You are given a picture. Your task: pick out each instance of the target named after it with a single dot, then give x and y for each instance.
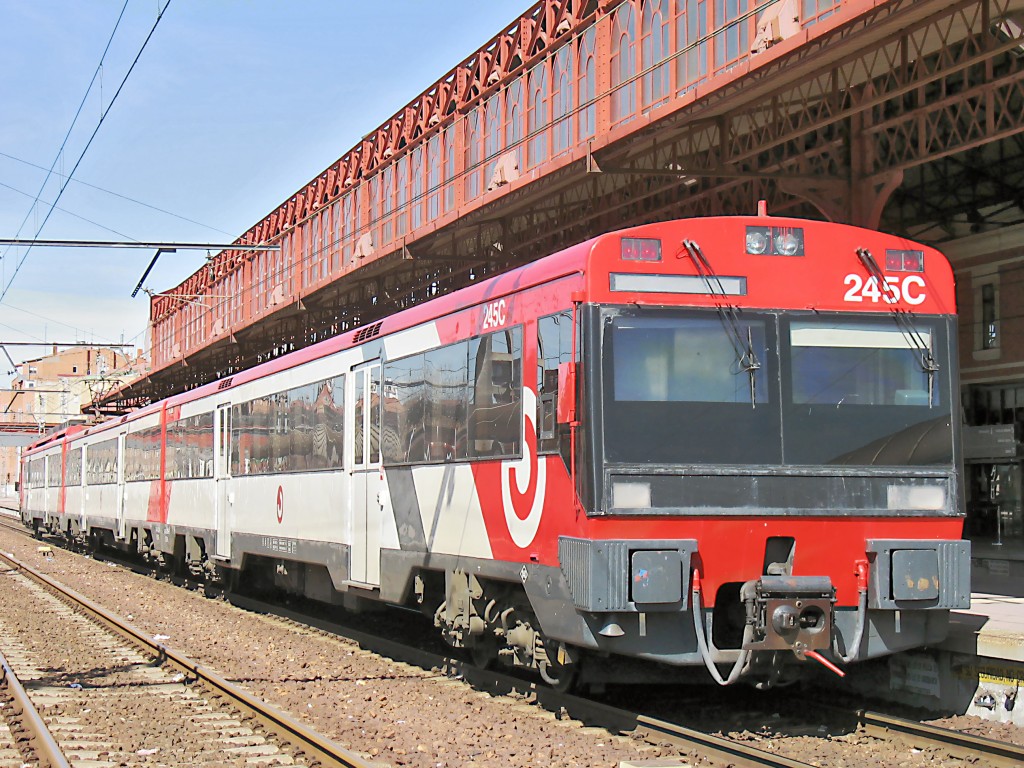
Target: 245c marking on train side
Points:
(495, 315)
(910, 289)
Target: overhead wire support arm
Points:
(160, 248)
(149, 268)
(165, 246)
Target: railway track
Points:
(20, 716)
(933, 740)
(113, 696)
(930, 739)
(986, 752)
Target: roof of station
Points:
(585, 116)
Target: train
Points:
(724, 445)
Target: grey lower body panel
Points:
(663, 635)
(332, 556)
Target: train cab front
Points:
(790, 461)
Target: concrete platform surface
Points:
(993, 627)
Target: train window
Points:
(456, 402)
(496, 406)
(863, 392)
(190, 447)
(35, 473)
(554, 346)
(402, 433)
(53, 470)
(73, 468)
(446, 393)
(857, 364)
(250, 439)
(142, 455)
(101, 462)
(682, 389)
(297, 430)
(693, 360)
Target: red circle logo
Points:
(280, 503)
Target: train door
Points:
(120, 484)
(222, 477)
(366, 475)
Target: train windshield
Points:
(867, 392)
(774, 388)
(690, 388)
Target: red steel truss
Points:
(587, 115)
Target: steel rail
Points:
(957, 743)
(732, 753)
(313, 744)
(879, 725)
(720, 749)
(45, 746)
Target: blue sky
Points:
(232, 107)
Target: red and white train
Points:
(726, 442)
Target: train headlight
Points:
(775, 241)
(757, 240)
(922, 497)
(787, 243)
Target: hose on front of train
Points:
(697, 609)
(853, 650)
(742, 661)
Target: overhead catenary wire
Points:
(74, 121)
(37, 199)
(81, 156)
(53, 320)
(118, 195)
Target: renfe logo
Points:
(523, 482)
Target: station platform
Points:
(993, 627)
(979, 668)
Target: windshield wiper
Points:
(729, 316)
(904, 319)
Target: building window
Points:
(989, 317)
(986, 312)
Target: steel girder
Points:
(830, 128)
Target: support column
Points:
(861, 197)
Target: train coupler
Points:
(788, 613)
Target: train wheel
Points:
(484, 651)
(561, 678)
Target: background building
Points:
(989, 269)
(50, 391)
